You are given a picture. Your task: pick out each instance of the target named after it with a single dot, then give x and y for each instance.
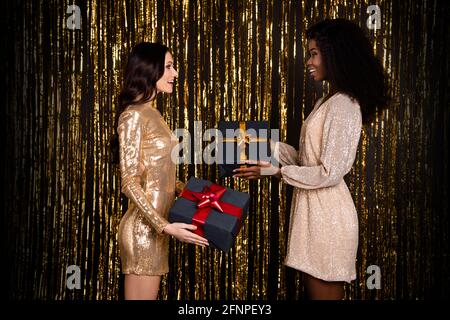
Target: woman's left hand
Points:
(258, 170)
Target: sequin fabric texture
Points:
(148, 180)
(323, 232)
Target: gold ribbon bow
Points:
(243, 139)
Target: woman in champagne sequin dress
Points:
(323, 226)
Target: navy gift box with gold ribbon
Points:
(218, 212)
(242, 140)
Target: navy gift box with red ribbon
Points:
(218, 212)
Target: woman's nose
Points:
(175, 72)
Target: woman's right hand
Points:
(258, 170)
(182, 232)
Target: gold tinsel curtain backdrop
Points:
(237, 60)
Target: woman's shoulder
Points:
(135, 108)
(142, 112)
(129, 114)
(343, 103)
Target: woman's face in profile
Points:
(166, 82)
(314, 64)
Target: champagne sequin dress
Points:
(323, 232)
(148, 180)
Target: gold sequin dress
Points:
(323, 232)
(148, 180)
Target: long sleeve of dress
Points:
(340, 138)
(130, 136)
(285, 154)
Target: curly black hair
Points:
(350, 64)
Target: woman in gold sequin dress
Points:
(323, 228)
(148, 172)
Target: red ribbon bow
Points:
(210, 197)
(207, 200)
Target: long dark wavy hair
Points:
(144, 68)
(350, 64)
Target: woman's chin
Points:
(316, 78)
